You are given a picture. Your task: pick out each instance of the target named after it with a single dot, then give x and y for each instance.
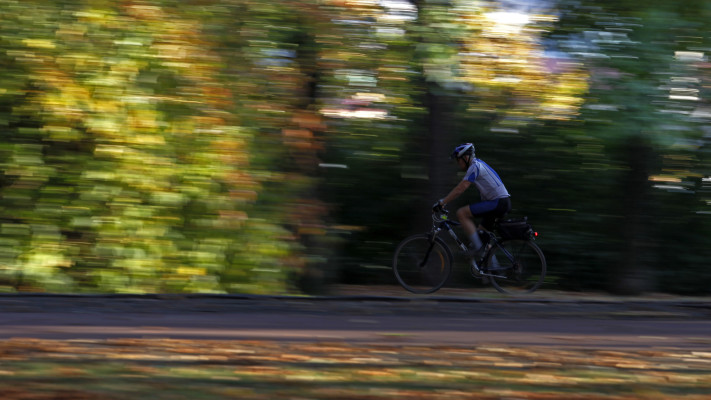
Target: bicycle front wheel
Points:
(516, 266)
(422, 265)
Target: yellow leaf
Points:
(39, 43)
(191, 271)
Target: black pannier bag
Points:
(515, 228)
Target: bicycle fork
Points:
(432, 235)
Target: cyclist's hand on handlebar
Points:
(438, 207)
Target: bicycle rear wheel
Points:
(422, 265)
(517, 266)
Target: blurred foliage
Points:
(247, 146)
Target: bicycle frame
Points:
(440, 224)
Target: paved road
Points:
(429, 329)
(596, 324)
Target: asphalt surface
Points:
(558, 321)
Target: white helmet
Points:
(463, 150)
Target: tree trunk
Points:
(633, 274)
(440, 143)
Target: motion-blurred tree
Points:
(124, 167)
(241, 145)
(634, 125)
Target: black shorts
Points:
(489, 211)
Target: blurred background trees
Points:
(248, 146)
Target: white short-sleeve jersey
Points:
(486, 180)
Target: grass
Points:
(158, 369)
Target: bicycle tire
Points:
(409, 271)
(522, 275)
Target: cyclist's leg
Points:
(503, 207)
(464, 215)
(480, 210)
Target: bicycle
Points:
(511, 261)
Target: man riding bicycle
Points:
(511, 261)
(495, 199)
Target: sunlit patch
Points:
(362, 113)
(508, 17)
(327, 165)
(663, 178)
(371, 97)
(689, 56)
(399, 10)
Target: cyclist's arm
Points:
(456, 192)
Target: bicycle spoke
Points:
(516, 267)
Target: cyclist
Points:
(495, 199)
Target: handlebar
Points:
(440, 213)
(439, 208)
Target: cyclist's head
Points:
(463, 150)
